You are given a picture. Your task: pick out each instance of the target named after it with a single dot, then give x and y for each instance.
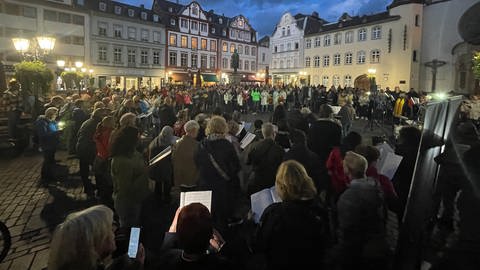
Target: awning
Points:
(209, 78)
(252, 78)
(181, 77)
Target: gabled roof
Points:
(397, 3)
(264, 41)
(94, 5)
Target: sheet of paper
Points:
(390, 165)
(165, 153)
(335, 109)
(203, 197)
(384, 149)
(261, 200)
(247, 140)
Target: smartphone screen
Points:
(133, 243)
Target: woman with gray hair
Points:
(85, 240)
(162, 172)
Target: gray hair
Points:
(268, 130)
(128, 119)
(191, 125)
(166, 136)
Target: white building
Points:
(64, 20)
(388, 44)
(127, 45)
(286, 44)
(442, 41)
(264, 57)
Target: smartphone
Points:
(133, 243)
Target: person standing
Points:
(12, 104)
(185, 171)
(256, 100)
(101, 165)
(48, 137)
(347, 115)
(264, 100)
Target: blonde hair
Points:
(51, 112)
(76, 241)
(233, 127)
(98, 105)
(355, 165)
(216, 125)
(293, 183)
(108, 121)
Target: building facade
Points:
(385, 45)
(64, 20)
(264, 59)
(127, 46)
(286, 45)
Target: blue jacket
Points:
(47, 132)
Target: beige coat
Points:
(185, 172)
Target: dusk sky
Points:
(264, 14)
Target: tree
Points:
(72, 79)
(476, 65)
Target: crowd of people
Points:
(334, 202)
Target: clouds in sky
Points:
(264, 14)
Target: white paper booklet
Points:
(389, 165)
(203, 197)
(261, 200)
(249, 137)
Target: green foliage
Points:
(72, 79)
(476, 65)
(34, 76)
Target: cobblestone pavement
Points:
(32, 211)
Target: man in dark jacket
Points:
(86, 149)
(300, 152)
(166, 113)
(265, 157)
(48, 136)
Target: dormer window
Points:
(220, 21)
(170, 9)
(213, 30)
(224, 33)
(144, 16)
(102, 6)
(81, 2)
(172, 21)
(131, 12)
(195, 10)
(118, 10)
(155, 18)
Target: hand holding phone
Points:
(134, 241)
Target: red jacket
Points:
(102, 139)
(334, 165)
(387, 186)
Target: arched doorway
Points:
(362, 82)
(465, 81)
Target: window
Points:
(325, 81)
(240, 49)
(288, 30)
(307, 61)
(289, 46)
(194, 26)
(375, 56)
(289, 63)
(117, 55)
(170, 9)
(246, 65)
(172, 21)
(347, 81)
(31, 12)
(326, 41)
(173, 40)
(131, 13)
(361, 57)
(232, 33)
(348, 58)
(156, 58)
(247, 50)
(78, 40)
(275, 49)
(349, 37)
(326, 60)
(213, 30)
(283, 31)
(172, 59)
(143, 16)
(362, 34)
(224, 47)
(317, 42)
(117, 31)
(194, 43)
(296, 45)
(195, 10)
(336, 80)
(232, 48)
(224, 32)
(203, 27)
(102, 6)
(213, 62)
(194, 63)
(156, 37)
(414, 56)
(225, 63)
(183, 23)
(220, 21)
(254, 51)
(281, 64)
(203, 61)
(102, 53)
(102, 29)
(48, 15)
(155, 17)
(80, 2)
(316, 61)
(274, 64)
(337, 39)
(417, 20)
(253, 66)
(376, 32)
(336, 59)
(184, 41)
(64, 17)
(213, 45)
(78, 20)
(263, 57)
(145, 35)
(132, 33)
(118, 10)
(131, 56)
(183, 59)
(204, 44)
(308, 43)
(144, 57)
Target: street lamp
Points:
(21, 44)
(373, 83)
(60, 63)
(41, 46)
(79, 64)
